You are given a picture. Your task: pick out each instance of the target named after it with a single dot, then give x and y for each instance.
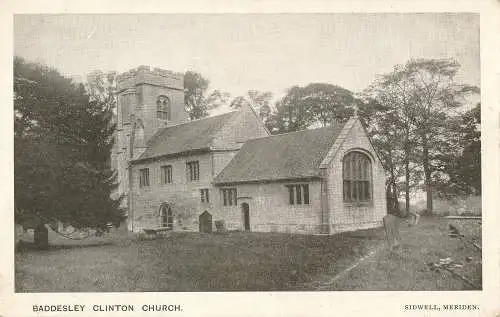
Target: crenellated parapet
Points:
(151, 76)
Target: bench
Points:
(152, 233)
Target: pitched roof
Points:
(186, 137)
(286, 156)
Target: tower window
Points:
(163, 108)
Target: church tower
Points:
(147, 100)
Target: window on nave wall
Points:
(163, 108)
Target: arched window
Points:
(357, 176)
(167, 216)
(139, 140)
(163, 108)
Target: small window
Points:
(229, 196)
(193, 170)
(298, 194)
(163, 108)
(144, 177)
(166, 174)
(204, 195)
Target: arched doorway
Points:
(205, 221)
(245, 209)
(167, 216)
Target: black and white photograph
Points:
(293, 152)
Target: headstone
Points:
(391, 225)
(220, 225)
(415, 218)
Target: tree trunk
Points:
(41, 238)
(407, 187)
(407, 171)
(427, 173)
(394, 194)
(391, 191)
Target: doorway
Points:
(205, 221)
(245, 209)
(167, 217)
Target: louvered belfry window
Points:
(357, 176)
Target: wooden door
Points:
(246, 216)
(205, 221)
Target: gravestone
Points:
(391, 225)
(220, 225)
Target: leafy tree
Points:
(288, 115)
(101, 87)
(459, 163)
(259, 101)
(437, 97)
(423, 96)
(316, 104)
(196, 99)
(327, 103)
(393, 128)
(63, 139)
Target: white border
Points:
(277, 303)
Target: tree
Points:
(437, 97)
(316, 104)
(196, 99)
(459, 163)
(470, 162)
(101, 87)
(63, 139)
(328, 104)
(393, 129)
(423, 96)
(259, 101)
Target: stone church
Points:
(227, 171)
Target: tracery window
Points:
(357, 176)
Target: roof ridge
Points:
(298, 131)
(161, 130)
(215, 123)
(296, 155)
(200, 119)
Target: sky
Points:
(239, 52)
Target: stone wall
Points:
(183, 195)
(270, 209)
(152, 76)
(138, 90)
(268, 202)
(352, 216)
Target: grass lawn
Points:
(241, 261)
(407, 269)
